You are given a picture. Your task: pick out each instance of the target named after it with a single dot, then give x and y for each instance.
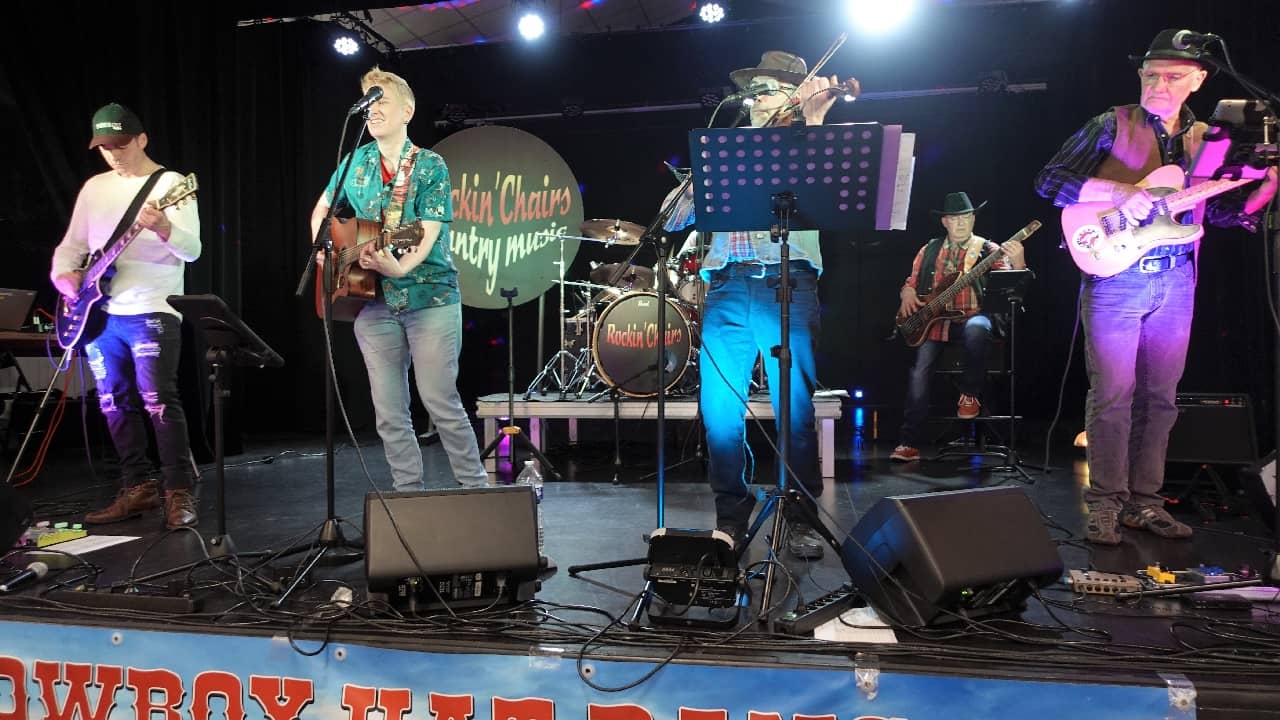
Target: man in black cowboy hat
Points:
(742, 319)
(956, 252)
(1137, 323)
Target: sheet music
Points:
(902, 181)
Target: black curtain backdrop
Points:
(257, 112)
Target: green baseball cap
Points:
(114, 124)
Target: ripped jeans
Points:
(135, 363)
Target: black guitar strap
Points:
(131, 214)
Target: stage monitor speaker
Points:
(15, 516)
(941, 557)
(1213, 429)
(471, 546)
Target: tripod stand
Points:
(512, 430)
(230, 343)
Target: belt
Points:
(1160, 263)
(757, 269)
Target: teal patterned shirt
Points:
(435, 281)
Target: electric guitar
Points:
(914, 328)
(79, 319)
(1103, 242)
(353, 286)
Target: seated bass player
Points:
(956, 252)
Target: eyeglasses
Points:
(1150, 77)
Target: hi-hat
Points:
(614, 232)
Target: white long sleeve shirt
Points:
(150, 269)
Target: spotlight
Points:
(857, 393)
(346, 45)
(711, 12)
(531, 26)
(878, 17)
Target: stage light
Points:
(346, 45)
(531, 26)
(877, 16)
(711, 12)
(857, 393)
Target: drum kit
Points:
(612, 337)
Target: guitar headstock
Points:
(184, 189)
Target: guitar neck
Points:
(1196, 194)
(99, 266)
(967, 279)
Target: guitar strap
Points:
(400, 191)
(131, 213)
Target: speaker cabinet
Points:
(470, 546)
(936, 558)
(1213, 429)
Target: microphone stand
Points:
(330, 546)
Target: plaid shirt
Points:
(951, 259)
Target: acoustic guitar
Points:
(353, 286)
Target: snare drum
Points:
(625, 346)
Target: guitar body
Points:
(353, 286)
(914, 328)
(80, 320)
(1103, 243)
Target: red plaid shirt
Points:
(951, 259)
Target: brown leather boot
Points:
(179, 509)
(130, 502)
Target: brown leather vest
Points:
(1136, 152)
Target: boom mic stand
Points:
(330, 547)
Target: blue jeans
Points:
(1137, 327)
(135, 363)
(430, 339)
(742, 319)
(974, 334)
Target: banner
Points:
(66, 672)
(511, 195)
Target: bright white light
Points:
(345, 45)
(878, 16)
(531, 26)
(711, 12)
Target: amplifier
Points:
(1213, 429)
(693, 567)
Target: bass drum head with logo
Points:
(625, 346)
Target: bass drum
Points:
(625, 346)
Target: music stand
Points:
(821, 177)
(229, 342)
(1002, 294)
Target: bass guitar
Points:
(353, 286)
(1103, 242)
(79, 319)
(914, 328)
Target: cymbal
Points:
(615, 232)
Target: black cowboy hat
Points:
(1162, 49)
(958, 203)
(777, 64)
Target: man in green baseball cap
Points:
(114, 124)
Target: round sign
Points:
(513, 200)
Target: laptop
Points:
(15, 308)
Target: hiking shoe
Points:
(904, 453)
(130, 502)
(1102, 527)
(803, 542)
(1155, 519)
(968, 408)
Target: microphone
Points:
(371, 97)
(1191, 40)
(750, 92)
(34, 571)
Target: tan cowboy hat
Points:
(778, 64)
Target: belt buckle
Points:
(1155, 264)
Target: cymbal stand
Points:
(561, 381)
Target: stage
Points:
(571, 650)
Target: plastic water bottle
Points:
(531, 475)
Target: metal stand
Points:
(511, 430)
(67, 355)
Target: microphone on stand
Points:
(1191, 40)
(371, 97)
(751, 92)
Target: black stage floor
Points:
(276, 493)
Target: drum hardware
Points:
(613, 232)
(556, 368)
